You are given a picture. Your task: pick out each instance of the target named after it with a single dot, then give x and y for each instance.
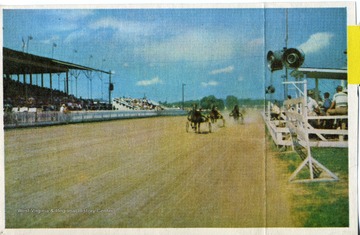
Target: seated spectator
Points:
(339, 105)
(275, 111)
(327, 102)
(290, 107)
(313, 109)
(312, 105)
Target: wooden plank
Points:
(319, 135)
(298, 130)
(295, 115)
(314, 180)
(293, 101)
(329, 144)
(328, 131)
(328, 117)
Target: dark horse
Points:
(215, 115)
(195, 118)
(236, 114)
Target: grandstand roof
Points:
(16, 62)
(340, 74)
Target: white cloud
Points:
(66, 26)
(75, 36)
(228, 69)
(121, 26)
(257, 42)
(192, 46)
(316, 42)
(153, 81)
(74, 15)
(254, 45)
(241, 78)
(210, 83)
(51, 40)
(68, 20)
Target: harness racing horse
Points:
(195, 118)
(215, 115)
(236, 114)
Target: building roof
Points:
(340, 74)
(16, 62)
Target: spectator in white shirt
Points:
(339, 105)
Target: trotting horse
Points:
(236, 114)
(195, 118)
(214, 115)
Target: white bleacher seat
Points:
(24, 109)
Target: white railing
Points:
(24, 119)
(299, 127)
(325, 136)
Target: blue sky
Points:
(217, 52)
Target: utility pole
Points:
(183, 85)
(110, 87)
(52, 49)
(286, 45)
(28, 41)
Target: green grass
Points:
(321, 204)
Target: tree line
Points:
(208, 102)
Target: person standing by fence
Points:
(62, 108)
(64, 114)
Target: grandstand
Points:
(336, 136)
(20, 93)
(135, 104)
(18, 97)
(29, 104)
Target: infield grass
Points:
(320, 204)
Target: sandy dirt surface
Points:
(143, 173)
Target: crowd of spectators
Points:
(338, 105)
(137, 103)
(18, 95)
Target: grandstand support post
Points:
(25, 87)
(50, 81)
(67, 82)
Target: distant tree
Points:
(231, 101)
(187, 104)
(220, 104)
(208, 101)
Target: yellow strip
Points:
(353, 52)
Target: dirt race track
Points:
(142, 173)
